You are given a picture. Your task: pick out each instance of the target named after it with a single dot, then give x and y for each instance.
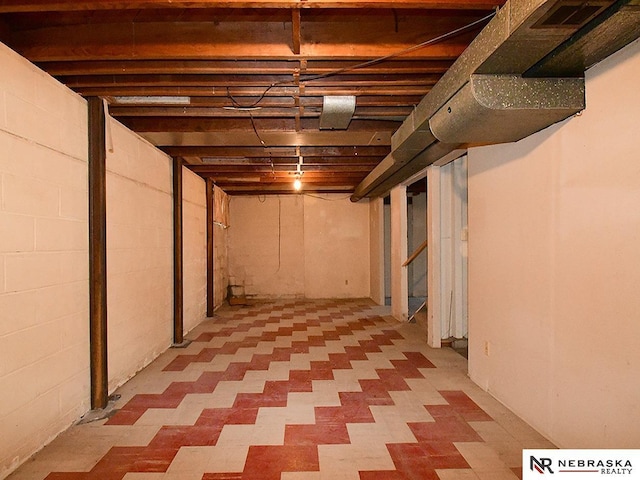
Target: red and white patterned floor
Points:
(297, 390)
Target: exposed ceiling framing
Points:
(237, 88)
(250, 76)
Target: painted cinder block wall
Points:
(299, 246)
(554, 303)
(139, 253)
(194, 219)
(44, 269)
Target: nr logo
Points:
(540, 465)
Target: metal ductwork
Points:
(337, 112)
(501, 108)
(522, 73)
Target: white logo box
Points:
(538, 464)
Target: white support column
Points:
(459, 250)
(399, 286)
(447, 293)
(433, 257)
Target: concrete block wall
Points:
(300, 246)
(44, 261)
(266, 245)
(44, 359)
(336, 247)
(194, 219)
(139, 254)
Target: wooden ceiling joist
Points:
(282, 151)
(235, 88)
(88, 5)
(418, 65)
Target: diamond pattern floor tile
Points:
(294, 390)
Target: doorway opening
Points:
(416, 262)
(448, 300)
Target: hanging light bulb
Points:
(297, 183)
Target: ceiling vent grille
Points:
(571, 14)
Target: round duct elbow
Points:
(506, 108)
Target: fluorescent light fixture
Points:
(152, 100)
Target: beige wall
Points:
(139, 254)
(554, 229)
(220, 258)
(44, 360)
(194, 233)
(266, 245)
(44, 312)
(299, 245)
(376, 246)
(336, 247)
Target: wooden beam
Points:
(210, 249)
(7, 6)
(230, 151)
(244, 152)
(283, 189)
(267, 178)
(228, 40)
(240, 125)
(316, 162)
(355, 79)
(98, 255)
(5, 32)
(295, 31)
(264, 112)
(188, 161)
(191, 80)
(202, 112)
(288, 168)
(311, 91)
(150, 67)
(359, 150)
(178, 286)
(273, 139)
(415, 254)
(247, 67)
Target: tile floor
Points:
(297, 390)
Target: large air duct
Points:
(522, 73)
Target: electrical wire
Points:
(320, 197)
(413, 48)
(253, 106)
(375, 61)
(253, 124)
